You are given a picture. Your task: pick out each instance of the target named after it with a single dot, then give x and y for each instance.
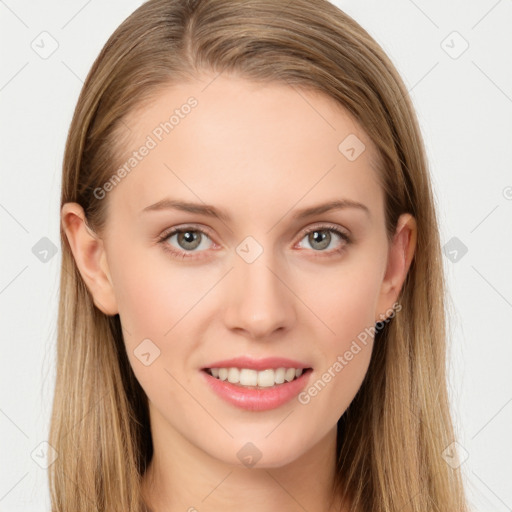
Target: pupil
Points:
(321, 237)
(188, 239)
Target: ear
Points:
(400, 256)
(90, 257)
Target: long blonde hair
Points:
(392, 436)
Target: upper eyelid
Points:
(328, 226)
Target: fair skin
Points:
(261, 153)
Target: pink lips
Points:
(258, 364)
(257, 399)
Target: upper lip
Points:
(257, 364)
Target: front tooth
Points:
(248, 377)
(223, 373)
(290, 374)
(279, 375)
(266, 378)
(234, 375)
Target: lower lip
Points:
(262, 399)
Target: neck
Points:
(182, 477)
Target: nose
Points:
(260, 301)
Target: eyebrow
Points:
(212, 211)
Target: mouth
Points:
(267, 385)
(249, 378)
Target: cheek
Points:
(158, 306)
(154, 293)
(345, 298)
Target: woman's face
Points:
(243, 163)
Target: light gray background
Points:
(464, 103)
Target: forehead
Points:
(230, 141)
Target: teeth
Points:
(233, 375)
(266, 378)
(279, 375)
(249, 377)
(290, 374)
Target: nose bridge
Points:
(259, 302)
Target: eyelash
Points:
(183, 254)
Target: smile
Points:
(250, 378)
(254, 390)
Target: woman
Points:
(251, 312)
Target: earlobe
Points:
(401, 253)
(90, 257)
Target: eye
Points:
(188, 239)
(191, 239)
(320, 237)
